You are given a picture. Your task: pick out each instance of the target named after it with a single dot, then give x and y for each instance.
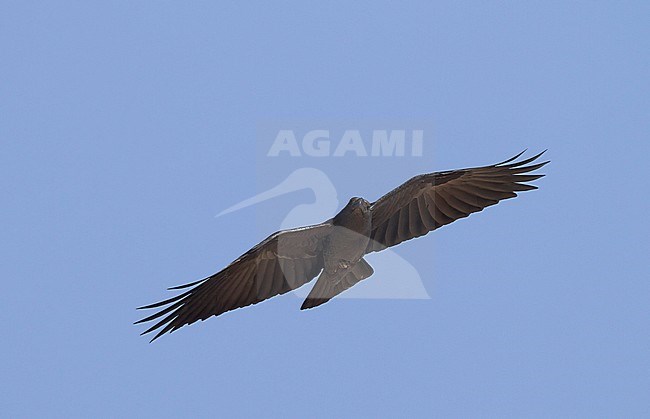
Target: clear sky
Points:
(126, 126)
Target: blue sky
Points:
(126, 126)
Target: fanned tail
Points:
(328, 286)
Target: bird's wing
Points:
(432, 200)
(282, 262)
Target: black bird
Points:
(289, 259)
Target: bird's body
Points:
(335, 248)
(348, 240)
(343, 250)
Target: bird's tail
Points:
(328, 286)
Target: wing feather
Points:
(425, 216)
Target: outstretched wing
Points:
(429, 201)
(282, 262)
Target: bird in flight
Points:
(334, 249)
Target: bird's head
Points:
(357, 210)
(358, 204)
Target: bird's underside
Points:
(288, 259)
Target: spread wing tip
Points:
(512, 158)
(180, 287)
(167, 324)
(171, 312)
(159, 334)
(519, 164)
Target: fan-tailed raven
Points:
(289, 259)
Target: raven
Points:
(289, 259)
